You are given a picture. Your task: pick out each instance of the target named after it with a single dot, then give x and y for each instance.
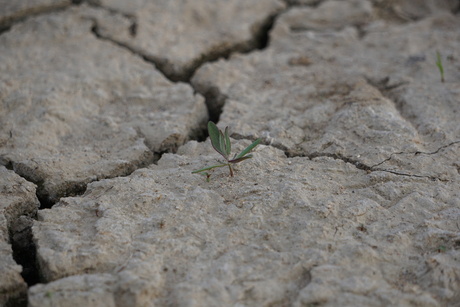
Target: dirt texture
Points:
(86, 110)
(18, 205)
(351, 199)
(192, 32)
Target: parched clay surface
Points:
(77, 108)
(416, 9)
(12, 286)
(17, 201)
(352, 200)
(179, 35)
(12, 11)
(284, 231)
(375, 100)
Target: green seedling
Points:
(439, 64)
(442, 249)
(221, 143)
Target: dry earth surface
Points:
(353, 198)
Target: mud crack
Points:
(415, 153)
(371, 168)
(258, 41)
(24, 249)
(20, 16)
(438, 150)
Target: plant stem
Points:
(231, 169)
(439, 64)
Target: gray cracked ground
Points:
(353, 200)
(324, 93)
(17, 208)
(85, 110)
(201, 31)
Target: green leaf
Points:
(223, 146)
(217, 139)
(248, 149)
(208, 168)
(221, 143)
(227, 142)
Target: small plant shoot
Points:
(439, 64)
(220, 141)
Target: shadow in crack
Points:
(24, 251)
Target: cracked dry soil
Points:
(352, 200)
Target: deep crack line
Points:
(357, 164)
(387, 159)
(438, 150)
(432, 178)
(25, 251)
(132, 28)
(94, 4)
(415, 153)
(259, 40)
(8, 22)
(367, 168)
